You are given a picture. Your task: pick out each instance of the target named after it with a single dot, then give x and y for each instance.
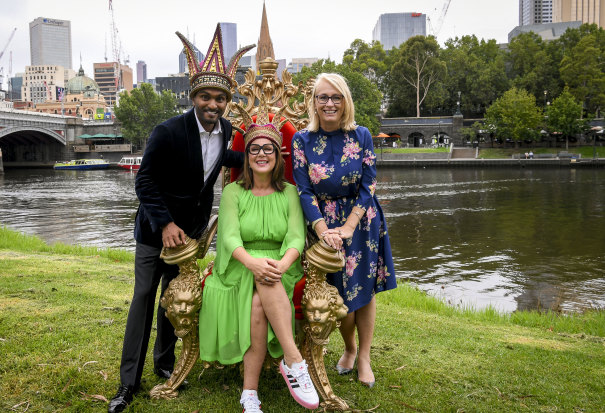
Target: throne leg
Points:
(322, 308)
(182, 301)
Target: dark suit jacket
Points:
(170, 183)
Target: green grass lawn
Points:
(410, 150)
(506, 153)
(63, 312)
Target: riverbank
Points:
(64, 310)
(411, 162)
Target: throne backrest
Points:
(277, 93)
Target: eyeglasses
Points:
(323, 99)
(267, 148)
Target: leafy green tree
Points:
(532, 67)
(583, 72)
(477, 70)
(364, 92)
(564, 116)
(370, 59)
(420, 67)
(142, 109)
(514, 116)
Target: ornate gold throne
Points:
(322, 306)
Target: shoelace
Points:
(251, 404)
(302, 376)
(122, 391)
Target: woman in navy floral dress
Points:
(335, 172)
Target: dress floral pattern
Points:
(335, 171)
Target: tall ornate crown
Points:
(212, 72)
(263, 127)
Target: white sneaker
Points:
(250, 402)
(299, 383)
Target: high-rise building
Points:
(141, 72)
(183, 68)
(43, 83)
(586, 11)
(535, 12)
(106, 75)
(50, 42)
(229, 32)
(393, 29)
(298, 63)
(264, 47)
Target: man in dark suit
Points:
(174, 185)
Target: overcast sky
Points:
(302, 28)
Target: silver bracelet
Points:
(358, 214)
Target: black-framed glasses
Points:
(323, 99)
(267, 148)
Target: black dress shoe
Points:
(162, 373)
(166, 374)
(121, 400)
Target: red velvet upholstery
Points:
(288, 131)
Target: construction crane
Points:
(8, 42)
(115, 48)
(2, 53)
(437, 28)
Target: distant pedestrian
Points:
(531, 155)
(526, 155)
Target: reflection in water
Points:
(510, 238)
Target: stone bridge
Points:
(417, 132)
(31, 139)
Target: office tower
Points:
(50, 42)
(535, 12)
(106, 75)
(393, 29)
(183, 68)
(298, 63)
(141, 72)
(229, 32)
(586, 11)
(40, 83)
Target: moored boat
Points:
(82, 164)
(131, 163)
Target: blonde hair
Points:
(347, 122)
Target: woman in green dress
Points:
(247, 305)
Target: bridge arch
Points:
(30, 135)
(27, 145)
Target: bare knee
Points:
(257, 315)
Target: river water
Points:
(506, 237)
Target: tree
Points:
(370, 59)
(532, 67)
(514, 116)
(142, 109)
(583, 72)
(365, 93)
(564, 116)
(419, 66)
(477, 70)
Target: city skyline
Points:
(316, 29)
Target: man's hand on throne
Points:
(172, 235)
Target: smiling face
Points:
(210, 104)
(261, 163)
(330, 114)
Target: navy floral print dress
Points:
(335, 171)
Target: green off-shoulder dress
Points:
(266, 226)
